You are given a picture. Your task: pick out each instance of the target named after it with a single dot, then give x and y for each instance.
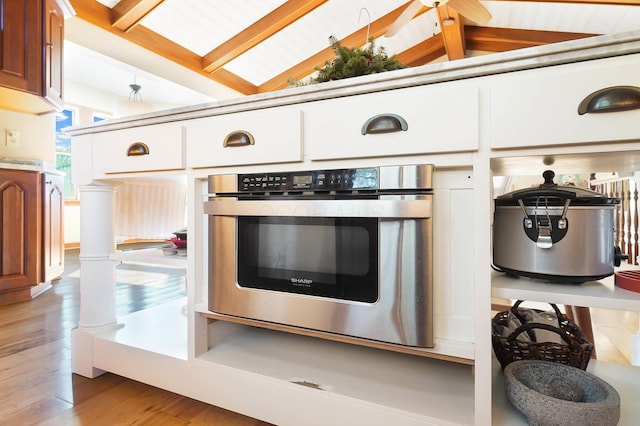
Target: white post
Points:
(97, 275)
(635, 347)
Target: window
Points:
(65, 118)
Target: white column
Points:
(635, 347)
(97, 275)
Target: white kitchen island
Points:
(505, 114)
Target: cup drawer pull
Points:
(137, 148)
(611, 99)
(238, 138)
(384, 123)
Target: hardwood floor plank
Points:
(45, 408)
(37, 386)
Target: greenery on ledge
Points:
(352, 62)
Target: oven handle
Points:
(406, 209)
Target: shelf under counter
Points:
(150, 256)
(360, 384)
(596, 294)
(625, 379)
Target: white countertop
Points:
(28, 165)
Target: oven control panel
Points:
(316, 180)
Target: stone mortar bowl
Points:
(549, 393)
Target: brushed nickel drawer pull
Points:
(238, 138)
(384, 123)
(137, 148)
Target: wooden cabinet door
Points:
(21, 45)
(54, 39)
(52, 226)
(20, 229)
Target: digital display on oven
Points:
(305, 180)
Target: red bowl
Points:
(178, 243)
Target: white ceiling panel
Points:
(109, 3)
(569, 17)
(202, 25)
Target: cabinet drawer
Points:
(435, 119)
(540, 107)
(253, 137)
(138, 149)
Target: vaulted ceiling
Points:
(256, 46)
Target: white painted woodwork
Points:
(277, 137)
(540, 107)
(82, 171)
(251, 371)
(440, 118)
(165, 143)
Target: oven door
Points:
(319, 256)
(360, 268)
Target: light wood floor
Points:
(37, 386)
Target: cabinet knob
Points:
(137, 148)
(384, 123)
(238, 138)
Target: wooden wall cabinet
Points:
(31, 54)
(31, 239)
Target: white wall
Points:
(37, 136)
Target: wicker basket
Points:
(572, 349)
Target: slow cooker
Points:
(555, 233)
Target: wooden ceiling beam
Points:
(452, 28)
(504, 39)
(255, 34)
(423, 53)
(306, 67)
(97, 14)
(126, 14)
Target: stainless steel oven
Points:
(345, 251)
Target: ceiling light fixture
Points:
(134, 104)
(135, 95)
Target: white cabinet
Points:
(138, 149)
(430, 119)
(540, 107)
(254, 137)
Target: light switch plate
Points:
(12, 138)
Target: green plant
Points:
(353, 62)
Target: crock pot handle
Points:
(537, 193)
(619, 256)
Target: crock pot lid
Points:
(583, 196)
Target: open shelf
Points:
(597, 294)
(625, 380)
(431, 390)
(150, 256)
(161, 329)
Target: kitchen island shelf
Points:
(418, 389)
(596, 294)
(624, 379)
(150, 256)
